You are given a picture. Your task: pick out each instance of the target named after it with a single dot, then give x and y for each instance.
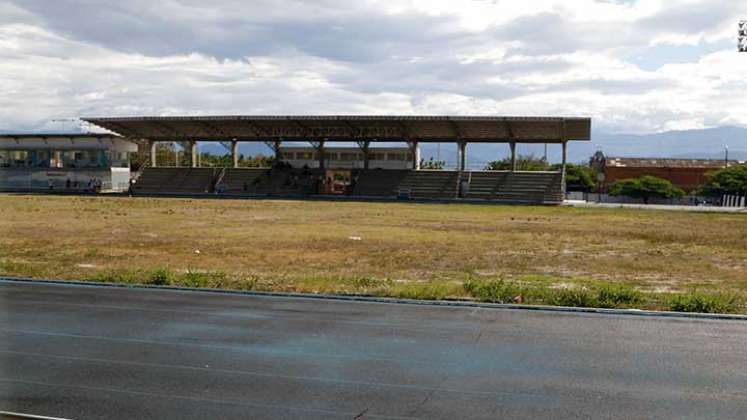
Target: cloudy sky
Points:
(634, 66)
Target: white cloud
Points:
(545, 57)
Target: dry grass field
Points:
(417, 250)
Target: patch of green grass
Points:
(166, 277)
(704, 303)
(195, 279)
(246, 283)
(617, 296)
(498, 291)
(160, 277)
(428, 291)
(366, 283)
(597, 296)
(577, 297)
(92, 253)
(543, 255)
(16, 268)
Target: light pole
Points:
(726, 156)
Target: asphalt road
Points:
(104, 353)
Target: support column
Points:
(193, 152)
(278, 155)
(153, 160)
(563, 165)
(364, 145)
(415, 151)
(320, 152)
(513, 156)
(462, 156)
(235, 153)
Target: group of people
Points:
(94, 185)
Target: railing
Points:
(733, 201)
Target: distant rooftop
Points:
(668, 162)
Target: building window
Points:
(349, 157)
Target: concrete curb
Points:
(385, 300)
(11, 415)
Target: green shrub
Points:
(498, 291)
(249, 283)
(698, 302)
(160, 277)
(615, 296)
(195, 279)
(581, 298)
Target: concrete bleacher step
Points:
(533, 187)
(529, 187)
(235, 178)
(175, 181)
(378, 183)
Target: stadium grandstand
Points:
(64, 162)
(364, 171)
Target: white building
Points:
(351, 157)
(64, 162)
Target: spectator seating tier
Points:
(175, 181)
(378, 182)
(529, 186)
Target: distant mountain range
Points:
(702, 144)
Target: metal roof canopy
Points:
(65, 141)
(57, 136)
(446, 129)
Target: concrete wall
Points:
(688, 179)
(606, 198)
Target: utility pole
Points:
(726, 156)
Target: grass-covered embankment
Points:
(535, 255)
